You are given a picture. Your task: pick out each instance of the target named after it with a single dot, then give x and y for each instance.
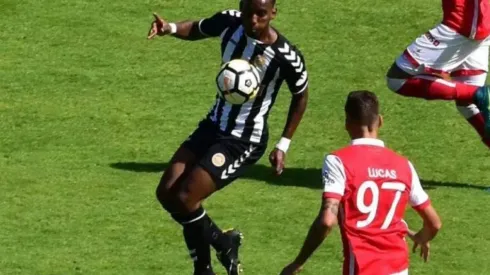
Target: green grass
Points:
(83, 95)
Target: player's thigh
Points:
(188, 154)
(439, 50)
(195, 187)
(223, 162)
(474, 69)
(229, 159)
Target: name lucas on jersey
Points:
(381, 173)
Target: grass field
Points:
(90, 112)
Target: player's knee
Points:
(161, 193)
(394, 84)
(187, 202)
(166, 199)
(396, 77)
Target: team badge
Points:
(218, 159)
(326, 178)
(259, 61)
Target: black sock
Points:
(214, 235)
(209, 231)
(199, 248)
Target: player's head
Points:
(362, 118)
(256, 16)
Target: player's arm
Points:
(334, 181)
(420, 201)
(297, 108)
(194, 29)
(431, 226)
(319, 229)
(297, 79)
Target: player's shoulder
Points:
(290, 57)
(395, 155)
(219, 22)
(343, 151)
(285, 49)
(230, 15)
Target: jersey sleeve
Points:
(333, 177)
(295, 72)
(418, 197)
(215, 25)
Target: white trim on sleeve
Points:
(333, 175)
(417, 194)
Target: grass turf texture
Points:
(91, 112)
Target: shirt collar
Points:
(368, 141)
(253, 39)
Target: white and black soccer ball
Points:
(238, 81)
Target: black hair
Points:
(362, 107)
(273, 3)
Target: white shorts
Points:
(404, 272)
(441, 50)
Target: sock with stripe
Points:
(199, 248)
(199, 226)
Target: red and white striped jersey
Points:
(470, 18)
(374, 186)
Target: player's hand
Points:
(411, 234)
(291, 269)
(424, 248)
(277, 158)
(158, 27)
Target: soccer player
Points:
(366, 190)
(231, 137)
(450, 62)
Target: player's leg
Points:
(473, 72)
(471, 112)
(167, 191)
(437, 52)
(180, 164)
(222, 164)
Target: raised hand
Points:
(158, 27)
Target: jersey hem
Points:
(332, 195)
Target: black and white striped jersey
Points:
(277, 62)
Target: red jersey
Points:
(374, 185)
(470, 18)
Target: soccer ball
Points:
(238, 81)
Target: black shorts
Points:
(223, 156)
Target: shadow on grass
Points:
(299, 177)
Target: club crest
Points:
(218, 159)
